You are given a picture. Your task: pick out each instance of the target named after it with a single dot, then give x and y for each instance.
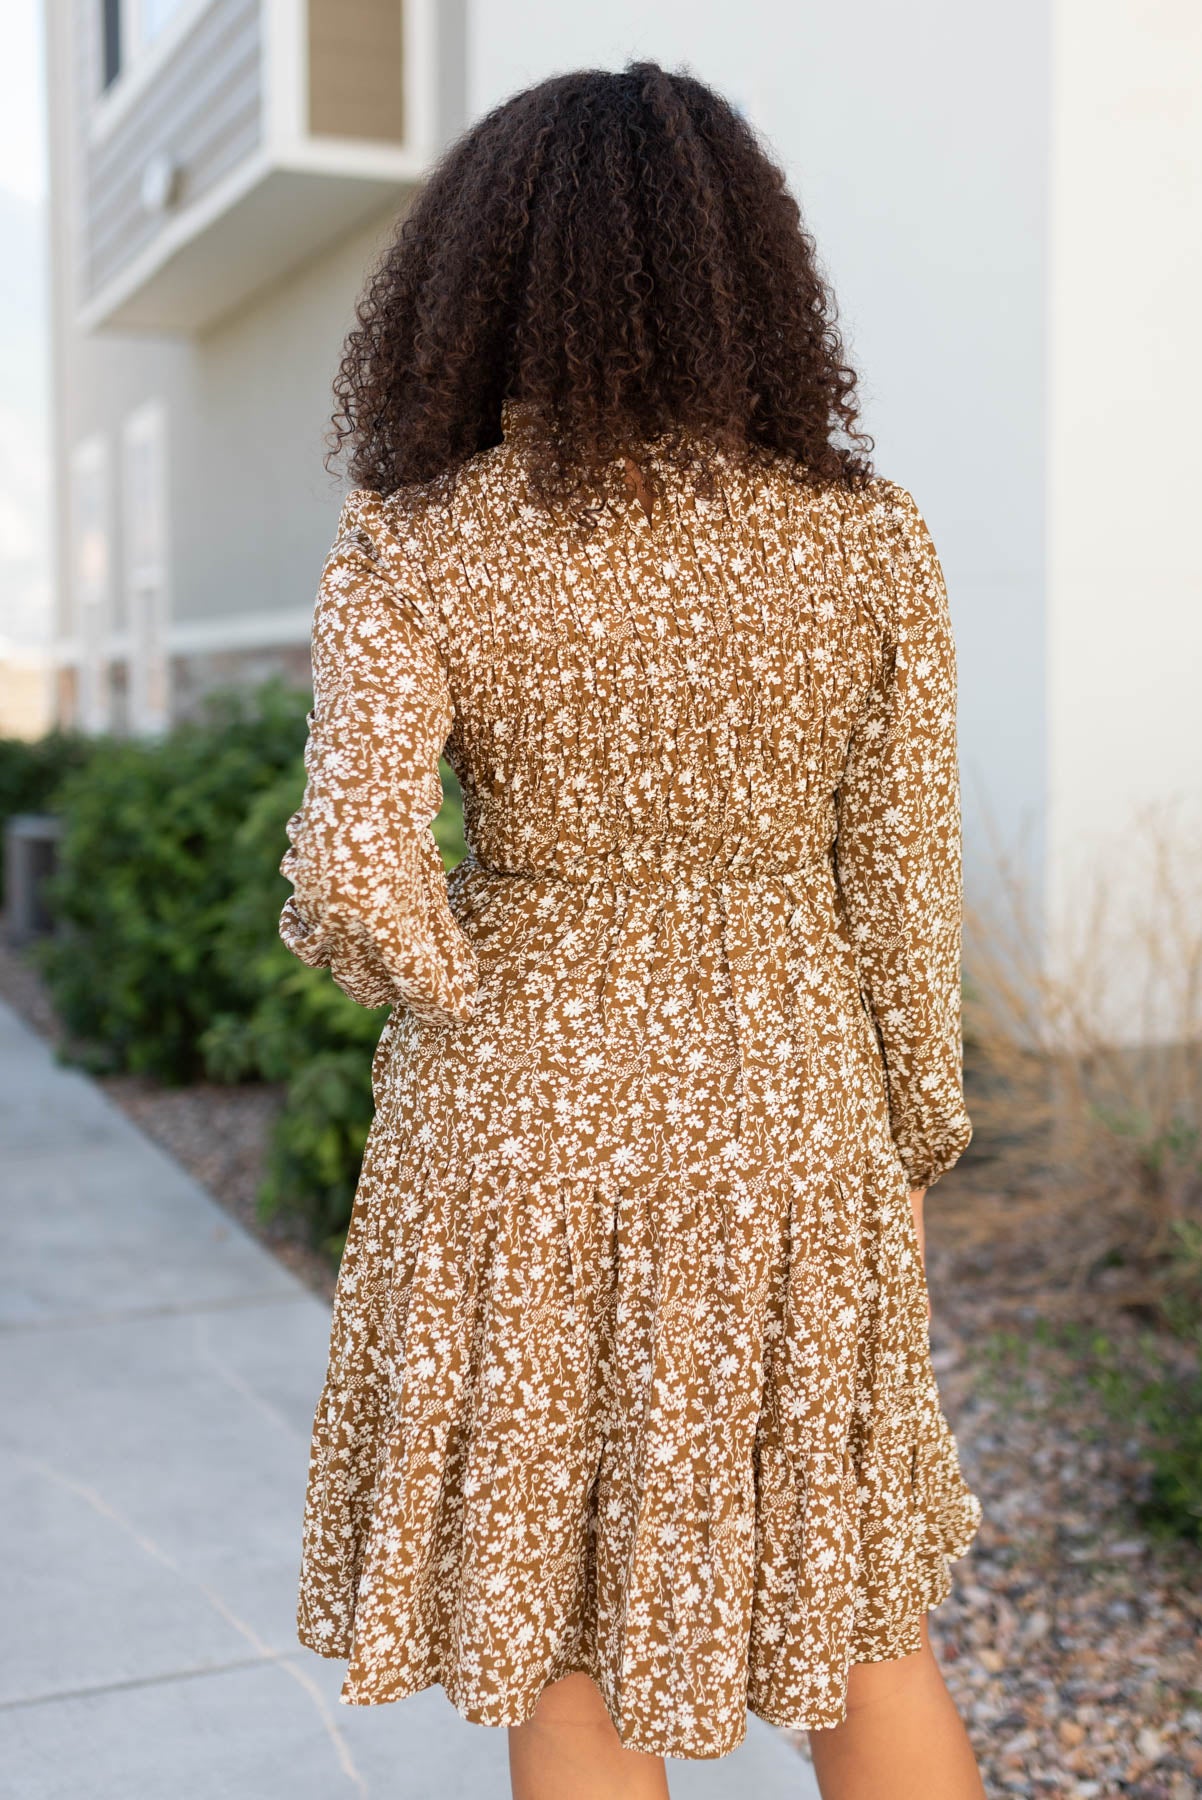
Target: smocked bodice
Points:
(757, 683)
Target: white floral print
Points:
(629, 1367)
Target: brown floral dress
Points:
(629, 1369)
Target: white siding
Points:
(202, 111)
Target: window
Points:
(144, 489)
(128, 28)
(90, 586)
(110, 41)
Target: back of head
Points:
(619, 252)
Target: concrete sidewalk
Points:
(160, 1371)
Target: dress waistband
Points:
(665, 868)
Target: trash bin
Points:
(30, 855)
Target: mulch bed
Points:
(1071, 1640)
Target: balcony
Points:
(250, 136)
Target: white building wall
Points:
(1124, 641)
(251, 510)
(258, 408)
(237, 496)
(242, 410)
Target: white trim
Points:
(297, 72)
(146, 567)
(240, 631)
(366, 157)
(283, 73)
(286, 132)
(285, 147)
(200, 637)
(91, 587)
(419, 75)
(140, 63)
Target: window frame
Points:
(137, 60)
(91, 590)
(146, 566)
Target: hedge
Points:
(146, 879)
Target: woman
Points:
(630, 1422)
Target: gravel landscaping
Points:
(1072, 1638)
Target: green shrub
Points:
(317, 1147)
(146, 878)
(282, 1007)
(280, 1012)
(290, 1023)
(31, 770)
(448, 826)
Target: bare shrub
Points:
(1083, 1047)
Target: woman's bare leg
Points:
(570, 1748)
(902, 1738)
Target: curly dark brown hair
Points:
(619, 251)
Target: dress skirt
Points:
(629, 1367)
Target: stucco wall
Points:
(259, 404)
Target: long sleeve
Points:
(898, 850)
(369, 894)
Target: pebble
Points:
(1077, 1663)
